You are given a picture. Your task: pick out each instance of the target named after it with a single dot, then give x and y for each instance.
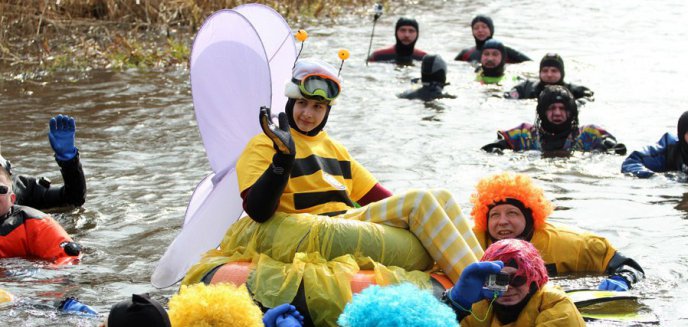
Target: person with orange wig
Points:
(508, 205)
(527, 301)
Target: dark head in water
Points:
(406, 33)
(483, 30)
(557, 109)
(433, 70)
(493, 58)
(552, 69)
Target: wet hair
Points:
(214, 305)
(521, 254)
(553, 60)
(552, 94)
(500, 187)
(140, 310)
(396, 305)
(433, 69)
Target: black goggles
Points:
(4, 189)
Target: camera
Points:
(498, 282)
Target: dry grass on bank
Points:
(82, 34)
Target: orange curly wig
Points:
(498, 188)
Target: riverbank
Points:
(39, 37)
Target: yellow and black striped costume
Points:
(325, 179)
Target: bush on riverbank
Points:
(119, 34)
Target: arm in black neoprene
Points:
(262, 198)
(626, 268)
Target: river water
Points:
(143, 155)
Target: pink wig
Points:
(525, 255)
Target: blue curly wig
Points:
(396, 305)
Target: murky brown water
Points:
(143, 156)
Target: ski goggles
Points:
(318, 85)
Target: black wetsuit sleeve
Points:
(496, 147)
(262, 198)
(38, 193)
(580, 91)
(515, 57)
(610, 144)
(459, 57)
(520, 91)
(626, 268)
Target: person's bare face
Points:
(557, 113)
(491, 58)
(407, 34)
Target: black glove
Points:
(609, 144)
(280, 136)
(496, 147)
(71, 248)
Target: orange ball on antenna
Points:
(301, 35)
(343, 54)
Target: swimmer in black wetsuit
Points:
(433, 72)
(551, 73)
(403, 51)
(483, 30)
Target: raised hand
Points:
(61, 136)
(280, 136)
(470, 288)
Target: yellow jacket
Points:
(549, 306)
(567, 251)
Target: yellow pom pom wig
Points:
(199, 305)
(498, 188)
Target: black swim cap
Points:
(141, 311)
(433, 69)
(499, 69)
(556, 94)
(553, 60)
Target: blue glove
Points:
(614, 283)
(72, 305)
(61, 136)
(283, 315)
(470, 288)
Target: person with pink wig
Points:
(528, 299)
